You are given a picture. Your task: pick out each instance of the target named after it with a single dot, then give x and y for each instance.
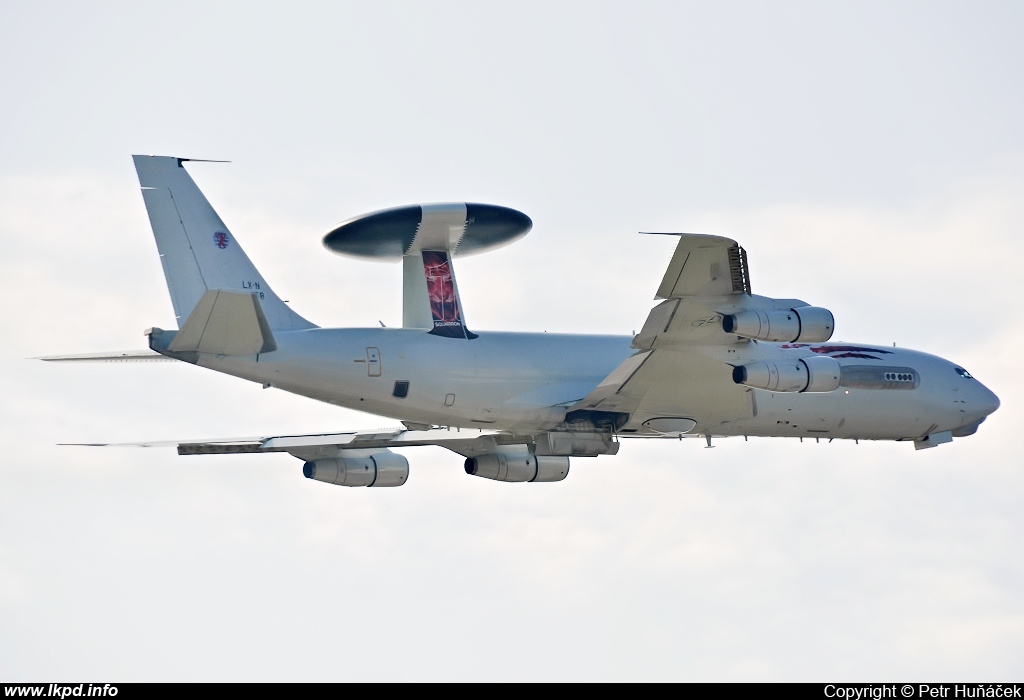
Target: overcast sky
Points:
(870, 158)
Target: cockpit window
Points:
(963, 373)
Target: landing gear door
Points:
(373, 362)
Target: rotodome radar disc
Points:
(391, 233)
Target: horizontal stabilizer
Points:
(125, 356)
(225, 323)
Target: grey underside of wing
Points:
(665, 380)
(467, 443)
(317, 446)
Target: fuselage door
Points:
(373, 362)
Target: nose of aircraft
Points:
(978, 403)
(981, 402)
(987, 402)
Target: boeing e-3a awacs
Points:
(711, 360)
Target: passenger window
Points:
(401, 389)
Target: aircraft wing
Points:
(707, 277)
(469, 443)
(705, 272)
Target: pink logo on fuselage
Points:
(838, 351)
(441, 288)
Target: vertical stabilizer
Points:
(197, 251)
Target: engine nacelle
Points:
(809, 374)
(376, 469)
(805, 324)
(518, 466)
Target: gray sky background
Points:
(870, 158)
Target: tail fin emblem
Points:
(220, 239)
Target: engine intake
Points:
(809, 374)
(806, 324)
(376, 469)
(500, 466)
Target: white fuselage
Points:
(526, 381)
